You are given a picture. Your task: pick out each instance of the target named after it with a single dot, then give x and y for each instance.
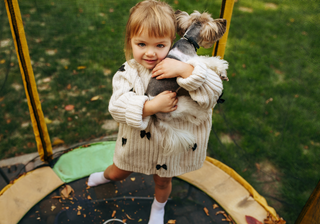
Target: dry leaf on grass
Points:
(69, 107)
(113, 213)
(95, 98)
(171, 221)
(81, 67)
(57, 141)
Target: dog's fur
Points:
(205, 31)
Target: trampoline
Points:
(56, 190)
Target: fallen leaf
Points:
(56, 197)
(89, 197)
(1, 98)
(53, 207)
(251, 220)
(69, 86)
(176, 2)
(171, 221)
(133, 178)
(69, 107)
(113, 213)
(245, 9)
(79, 213)
(48, 79)
(215, 206)
(57, 141)
(106, 72)
(258, 166)
(269, 100)
(47, 120)
(124, 220)
(244, 66)
(65, 192)
(220, 212)
(129, 217)
(206, 211)
(81, 67)
(111, 10)
(51, 51)
(270, 6)
(95, 98)
(2, 61)
(140, 220)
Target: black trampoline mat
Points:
(128, 200)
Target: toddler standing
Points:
(150, 32)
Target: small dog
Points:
(196, 30)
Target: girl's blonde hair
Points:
(154, 16)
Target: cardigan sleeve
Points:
(125, 106)
(203, 85)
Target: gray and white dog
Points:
(196, 30)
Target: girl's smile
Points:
(149, 51)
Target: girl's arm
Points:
(164, 102)
(203, 84)
(125, 105)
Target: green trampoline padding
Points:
(83, 161)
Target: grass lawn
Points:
(267, 130)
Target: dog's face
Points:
(210, 32)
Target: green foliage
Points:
(271, 113)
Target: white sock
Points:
(157, 212)
(97, 179)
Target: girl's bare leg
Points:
(162, 188)
(111, 173)
(162, 191)
(114, 173)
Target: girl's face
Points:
(149, 51)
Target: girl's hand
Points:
(165, 102)
(170, 68)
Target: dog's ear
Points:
(183, 22)
(212, 32)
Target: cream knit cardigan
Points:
(137, 146)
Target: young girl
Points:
(150, 32)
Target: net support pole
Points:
(36, 114)
(225, 13)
